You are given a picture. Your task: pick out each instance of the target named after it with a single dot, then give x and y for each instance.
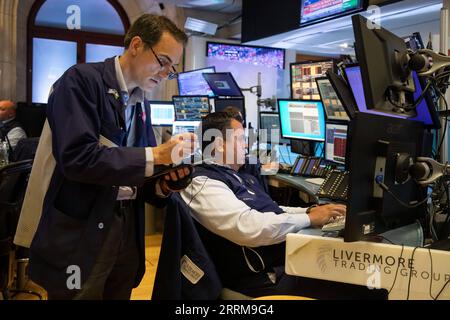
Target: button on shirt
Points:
(133, 100)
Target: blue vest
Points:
(235, 263)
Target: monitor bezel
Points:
(340, 123)
(192, 71)
(295, 138)
(363, 6)
(324, 108)
(194, 96)
(248, 46)
(232, 78)
(333, 61)
(160, 102)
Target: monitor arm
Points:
(426, 171)
(427, 62)
(269, 102)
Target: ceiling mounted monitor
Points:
(314, 11)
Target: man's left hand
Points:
(176, 180)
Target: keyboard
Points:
(336, 224)
(316, 181)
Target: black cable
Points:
(385, 188)
(396, 272)
(431, 273)
(445, 285)
(201, 189)
(446, 123)
(410, 272)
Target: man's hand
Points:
(175, 150)
(174, 176)
(321, 215)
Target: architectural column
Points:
(8, 45)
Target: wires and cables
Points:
(401, 202)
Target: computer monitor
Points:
(414, 41)
(343, 92)
(336, 142)
(162, 113)
(221, 103)
(301, 119)
(303, 74)
(333, 106)
(375, 142)
(426, 111)
(223, 84)
(179, 127)
(388, 85)
(271, 121)
(191, 108)
(313, 11)
(192, 83)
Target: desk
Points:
(375, 265)
(307, 190)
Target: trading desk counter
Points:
(405, 271)
(307, 190)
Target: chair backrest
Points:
(13, 184)
(25, 149)
(32, 117)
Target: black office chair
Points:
(13, 184)
(32, 117)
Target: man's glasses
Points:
(166, 64)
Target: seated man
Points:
(10, 128)
(242, 228)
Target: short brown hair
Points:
(150, 28)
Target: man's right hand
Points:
(175, 150)
(321, 215)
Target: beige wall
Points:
(13, 43)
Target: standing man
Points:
(11, 130)
(89, 241)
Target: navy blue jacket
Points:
(181, 239)
(78, 206)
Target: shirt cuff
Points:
(158, 190)
(149, 162)
(302, 220)
(293, 210)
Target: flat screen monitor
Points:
(336, 142)
(302, 119)
(312, 11)
(332, 104)
(162, 113)
(223, 84)
(426, 112)
(373, 157)
(185, 126)
(388, 85)
(414, 41)
(271, 121)
(221, 103)
(192, 83)
(191, 108)
(303, 75)
(257, 56)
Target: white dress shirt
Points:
(215, 206)
(137, 99)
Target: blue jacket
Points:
(78, 206)
(181, 239)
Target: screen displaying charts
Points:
(191, 108)
(304, 120)
(332, 104)
(162, 113)
(303, 75)
(336, 143)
